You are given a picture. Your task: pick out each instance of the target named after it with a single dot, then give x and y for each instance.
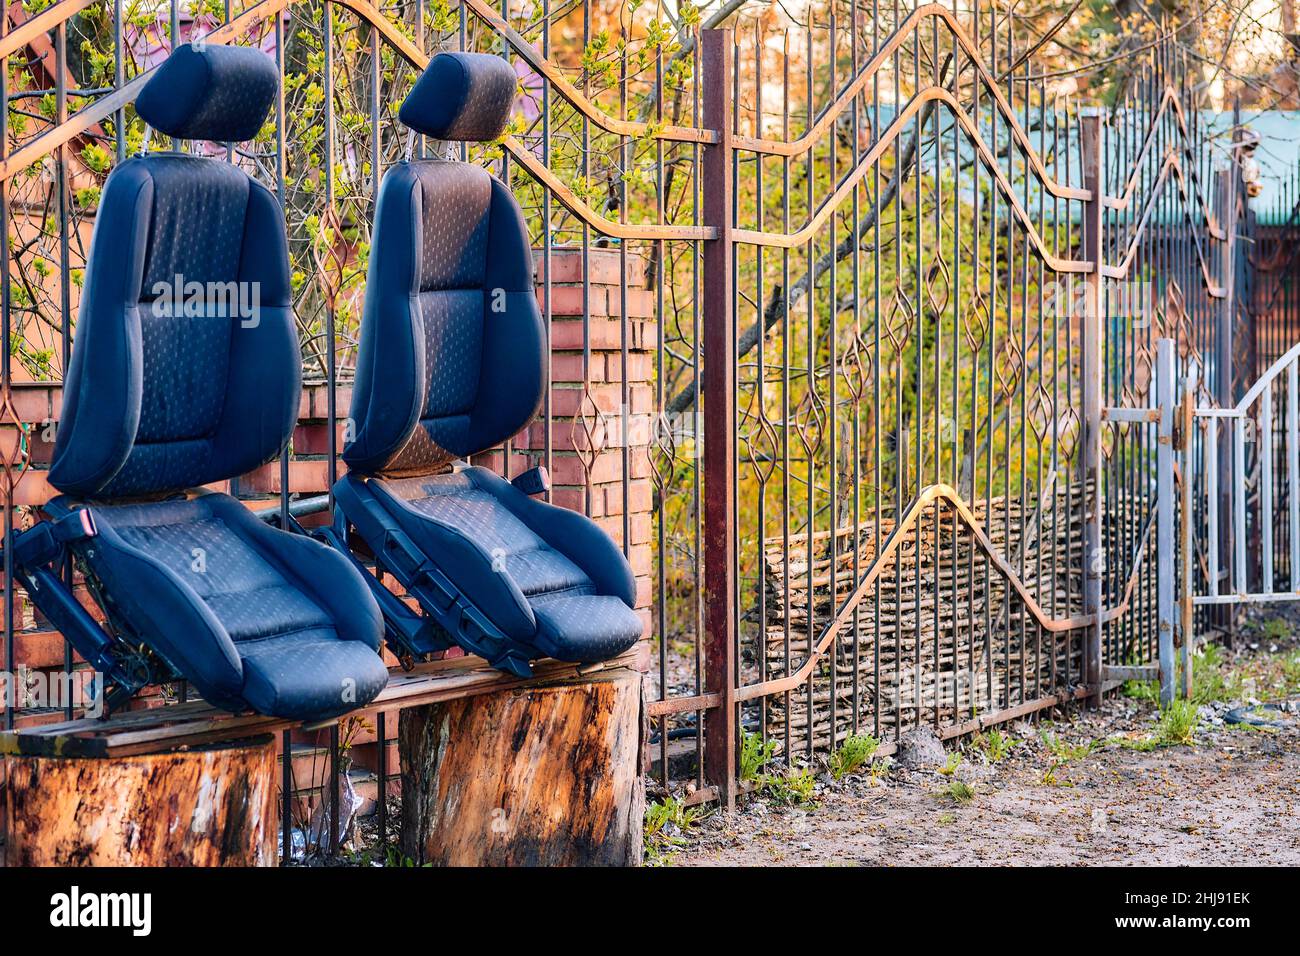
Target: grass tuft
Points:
(754, 756)
(666, 822)
(879, 769)
(995, 745)
(792, 789)
(856, 752)
(1141, 690)
(1065, 752)
(958, 791)
(1178, 723)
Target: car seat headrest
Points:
(462, 96)
(210, 92)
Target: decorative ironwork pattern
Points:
(881, 487)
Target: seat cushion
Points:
(529, 567)
(254, 617)
(513, 547)
(584, 627)
(309, 674)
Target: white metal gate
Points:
(1243, 460)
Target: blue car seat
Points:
(165, 393)
(451, 363)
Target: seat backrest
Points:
(452, 355)
(185, 367)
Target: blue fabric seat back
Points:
(185, 366)
(452, 357)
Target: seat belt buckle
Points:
(534, 481)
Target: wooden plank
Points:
(194, 723)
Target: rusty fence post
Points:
(719, 420)
(1093, 326)
(1166, 614)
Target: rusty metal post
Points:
(1226, 202)
(719, 420)
(1166, 612)
(1094, 556)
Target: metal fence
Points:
(1243, 499)
(905, 292)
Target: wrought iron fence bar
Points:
(331, 227)
(12, 464)
(902, 122)
(1124, 268)
(1132, 416)
(1207, 600)
(698, 611)
(1292, 461)
(719, 398)
(284, 508)
(909, 29)
(1186, 437)
(578, 99)
(1165, 505)
(787, 634)
(17, 37)
(64, 188)
(1093, 240)
(1169, 100)
(890, 548)
(87, 117)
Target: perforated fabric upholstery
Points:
(245, 592)
(543, 575)
(452, 343)
(164, 393)
(584, 627)
(254, 617)
(462, 96)
(457, 502)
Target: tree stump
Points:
(545, 775)
(211, 806)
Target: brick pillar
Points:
(586, 414)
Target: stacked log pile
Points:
(942, 637)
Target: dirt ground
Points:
(1076, 791)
